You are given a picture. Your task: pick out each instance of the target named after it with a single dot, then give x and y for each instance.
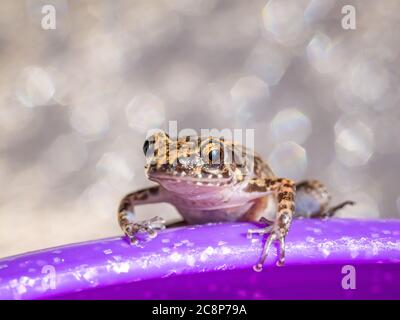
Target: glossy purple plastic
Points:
(215, 261)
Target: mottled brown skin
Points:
(209, 179)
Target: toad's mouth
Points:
(199, 179)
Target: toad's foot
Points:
(331, 211)
(285, 190)
(274, 234)
(127, 218)
(260, 231)
(149, 227)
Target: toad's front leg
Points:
(285, 192)
(126, 214)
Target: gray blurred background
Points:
(76, 102)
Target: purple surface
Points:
(215, 262)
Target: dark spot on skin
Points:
(271, 183)
(164, 167)
(303, 184)
(285, 196)
(167, 152)
(282, 207)
(225, 174)
(198, 141)
(141, 196)
(317, 184)
(290, 196)
(280, 196)
(153, 190)
(258, 165)
(123, 206)
(129, 195)
(268, 184)
(255, 188)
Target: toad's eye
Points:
(213, 155)
(148, 147)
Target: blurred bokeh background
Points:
(76, 102)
